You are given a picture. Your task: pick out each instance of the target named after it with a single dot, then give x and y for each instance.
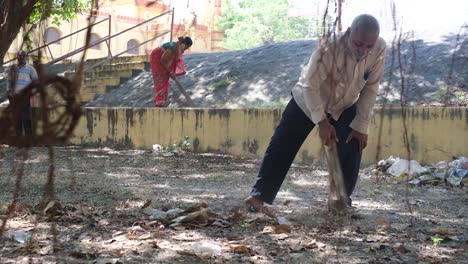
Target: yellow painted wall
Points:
(434, 133)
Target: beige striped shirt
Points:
(334, 79)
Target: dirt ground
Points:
(102, 192)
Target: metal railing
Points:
(140, 44)
(106, 39)
(67, 36)
(88, 68)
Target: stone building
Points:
(194, 18)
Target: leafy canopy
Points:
(58, 10)
(250, 23)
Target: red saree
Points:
(161, 76)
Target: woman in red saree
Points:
(166, 62)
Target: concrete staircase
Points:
(110, 75)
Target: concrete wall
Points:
(434, 133)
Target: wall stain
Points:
(277, 116)
(129, 117)
(455, 113)
(306, 157)
(213, 150)
(226, 145)
(250, 145)
(413, 142)
(253, 112)
(141, 112)
(172, 114)
(196, 145)
(89, 121)
(434, 114)
(414, 113)
(226, 113)
(466, 115)
(124, 143)
(198, 118)
(425, 114)
(111, 121)
(183, 115)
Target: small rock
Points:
(399, 247)
(399, 227)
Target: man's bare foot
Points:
(254, 204)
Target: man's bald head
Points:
(366, 24)
(363, 34)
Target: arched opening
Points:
(132, 47)
(93, 38)
(52, 34)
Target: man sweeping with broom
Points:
(336, 91)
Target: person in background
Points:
(336, 92)
(20, 76)
(166, 62)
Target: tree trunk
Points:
(339, 27)
(13, 15)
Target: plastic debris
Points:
(384, 164)
(281, 220)
(458, 171)
(157, 148)
(206, 249)
(457, 177)
(425, 179)
(168, 154)
(19, 236)
(403, 166)
(454, 173)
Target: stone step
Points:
(139, 58)
(113, 73)
(124, 66)
(107, 81)
(86, 97)
(98, 88)
(108, 73)
(95, 89)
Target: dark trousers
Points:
(24, 125)
(288, 138)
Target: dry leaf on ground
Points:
(241, 249)
(280, 229)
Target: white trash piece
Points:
(157, 147)
(460, 163)
(403, 166)
(454, 172)
(168, 154)
(19, 236)
(206, 249)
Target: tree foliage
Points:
(15, 14)
(249, 23)
(58, 10)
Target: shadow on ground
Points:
(107, 188)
